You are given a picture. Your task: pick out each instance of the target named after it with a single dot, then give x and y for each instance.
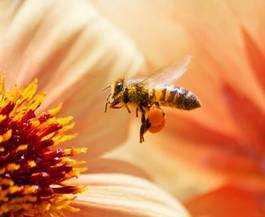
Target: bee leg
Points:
(142, 133)
(145, 124)
(137, 109)
(117, 107)
(107, 102)
(128, 109)
(144, 127)
(106, 106)
(156, 104)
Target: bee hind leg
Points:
(156, 103)
(142, 129)
(137, 109)
(145, 125)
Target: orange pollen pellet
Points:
(156, 117)
(157, 128)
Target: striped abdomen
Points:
(177, 97)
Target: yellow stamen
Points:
(32, 168)
(6, 136)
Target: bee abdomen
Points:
(178, 97)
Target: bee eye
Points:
(119, 87)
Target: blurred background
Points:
(212, 159)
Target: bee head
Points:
(115, 98)
(118, 88)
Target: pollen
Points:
(156, 117)
(33, 169)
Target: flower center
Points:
(33, 170)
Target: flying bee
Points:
(156, 89)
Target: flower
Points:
(73, 52)
(227, 73)
(33, 169)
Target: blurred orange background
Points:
(211, 158)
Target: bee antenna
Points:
(107, 87)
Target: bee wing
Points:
(168, 75)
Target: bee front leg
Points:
(128, 109)
(117, 107)
(137, 109)
(106, 106)
(107, 102)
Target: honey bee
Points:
(157, 89)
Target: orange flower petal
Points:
(249, 117)
(255, 56)
(218, 149)
(226, 201)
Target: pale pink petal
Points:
(170, 161)
(123, 195)
(160, 38)
(75, 53)
(7, 10)
(105, 165)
